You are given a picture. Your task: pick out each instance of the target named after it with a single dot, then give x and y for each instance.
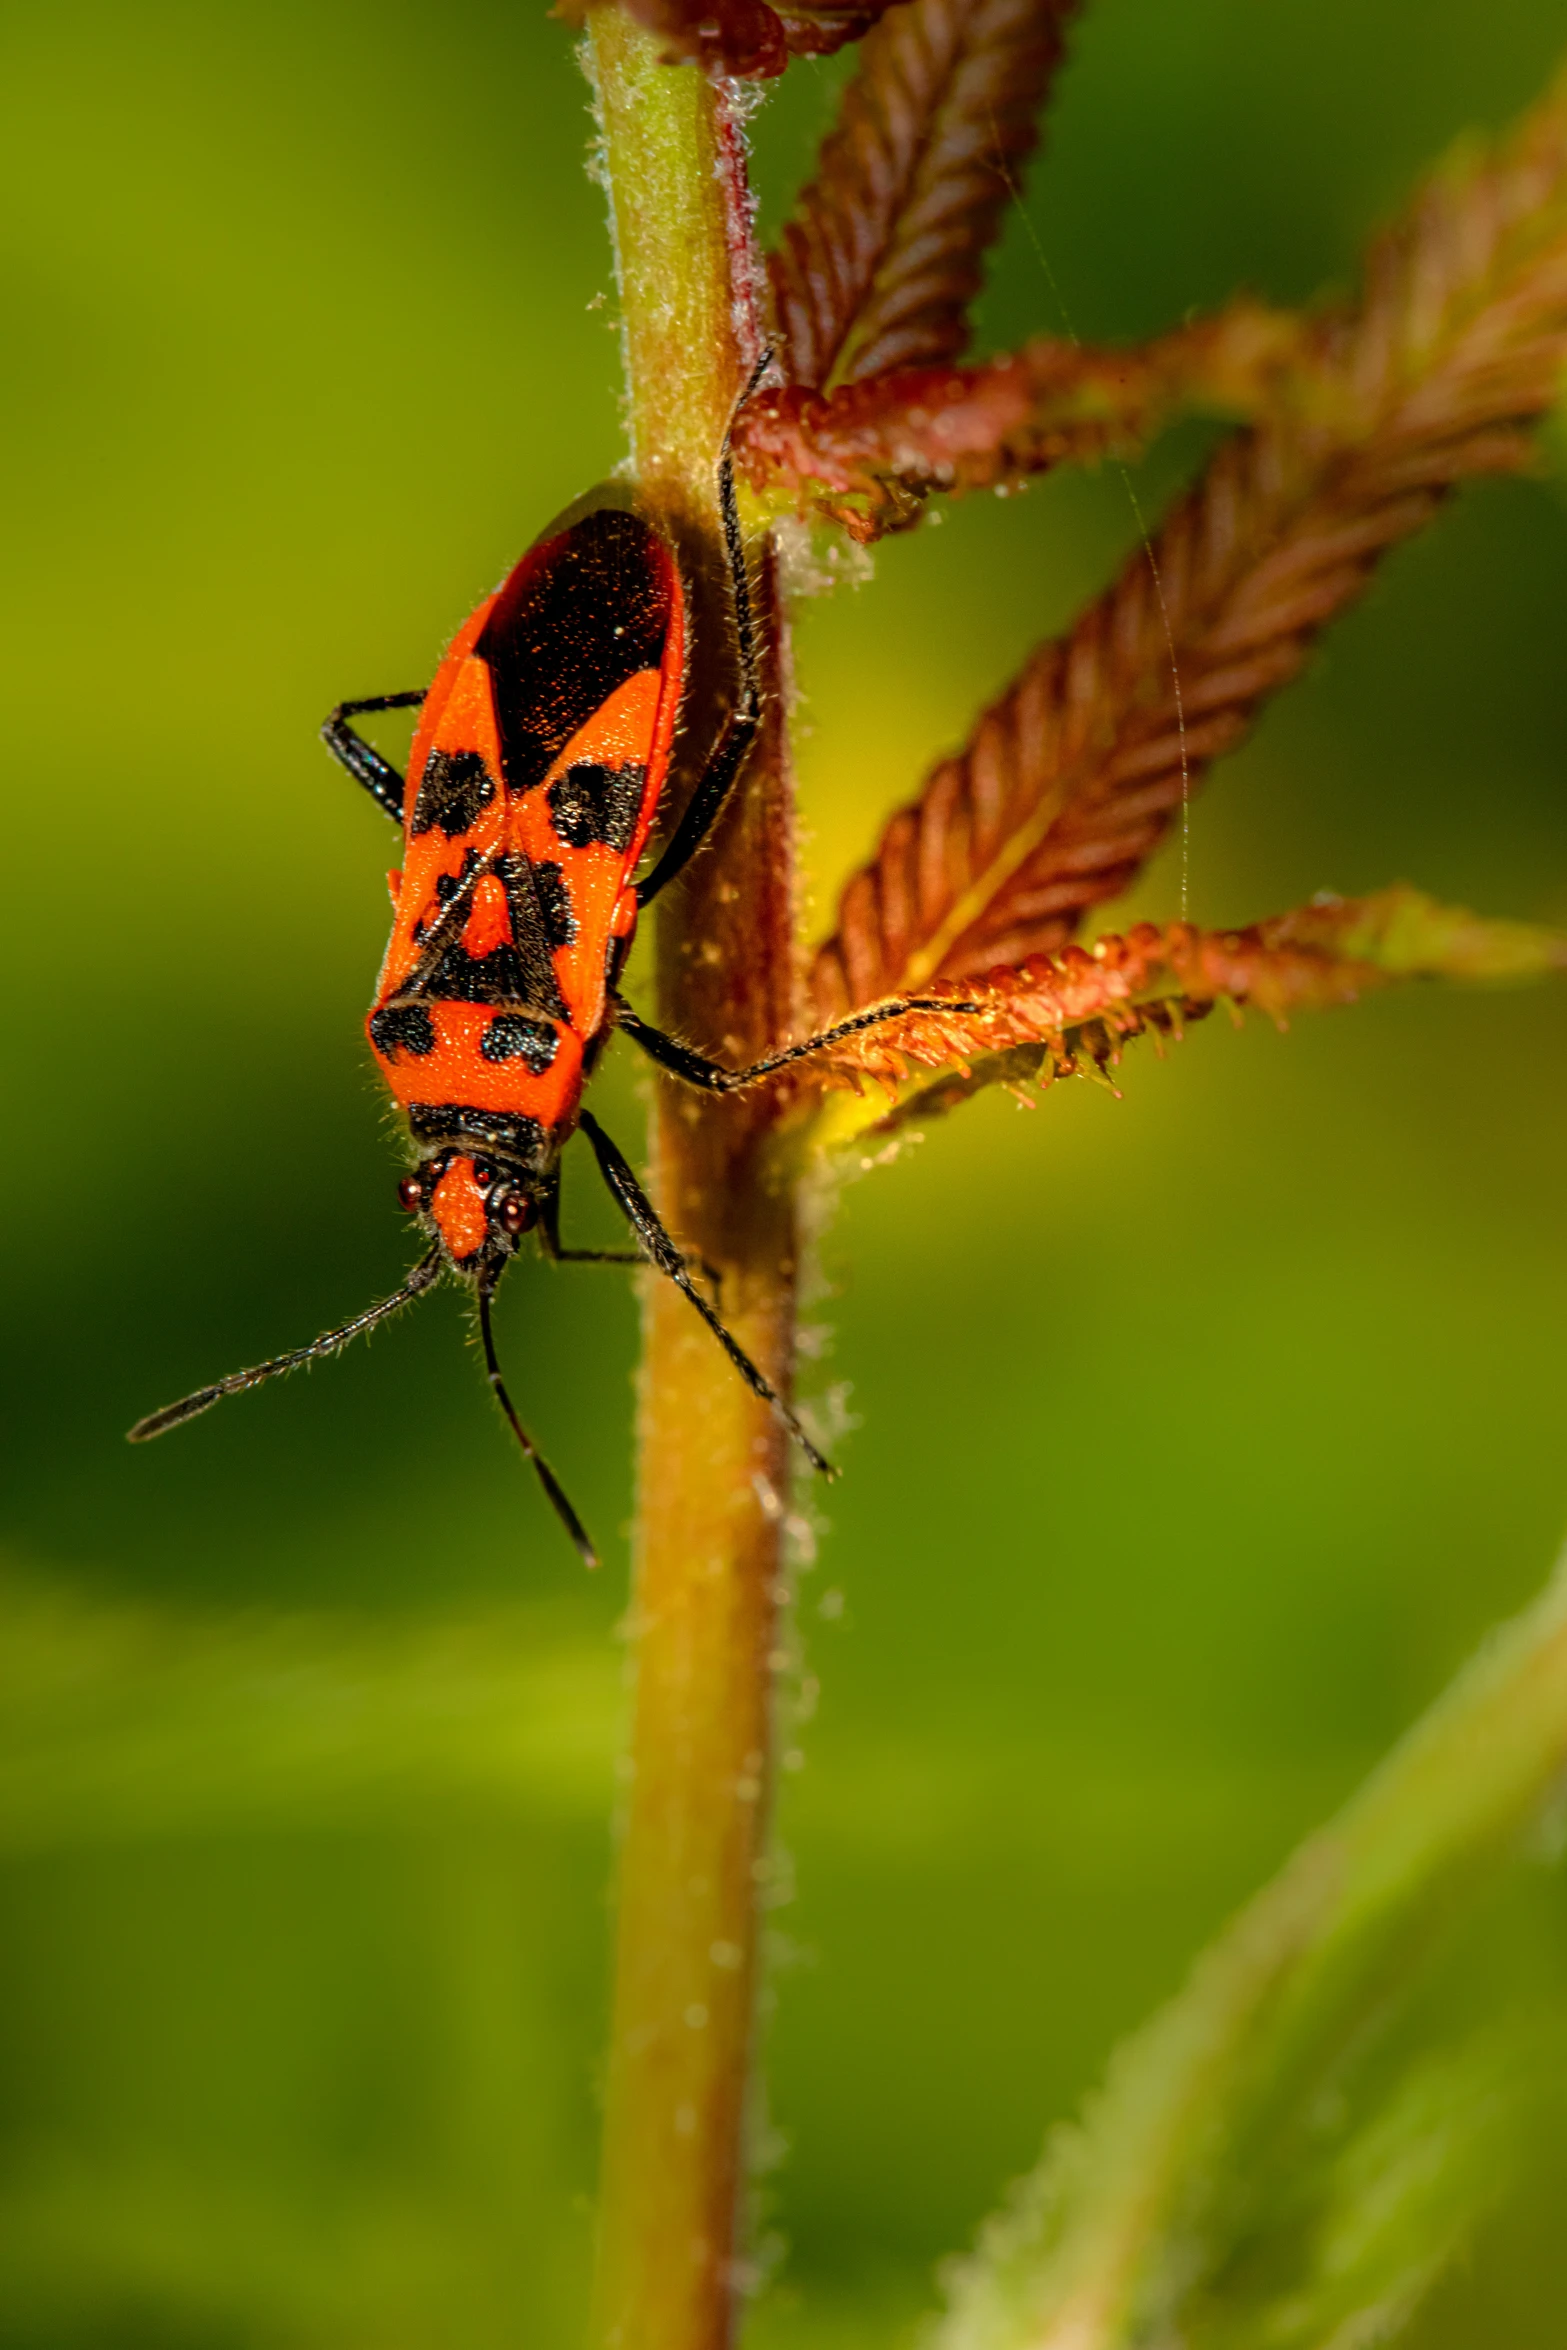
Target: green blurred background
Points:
(1200, 1435)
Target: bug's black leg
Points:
(550, 1242)
(717, 778)
(597, 1256)
(703, 806)
(696, 1069)
(528, 929)
(641, 1215)
(546, 1475)
(364, 763)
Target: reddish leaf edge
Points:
(1072, 1014)
(879, 262)
(1070, 779)
(869, 454)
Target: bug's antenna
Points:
(157, 1423)
(547, 1477)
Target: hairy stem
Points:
(713, 1462)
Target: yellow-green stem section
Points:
(713, 1463)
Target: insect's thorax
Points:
(529, 802)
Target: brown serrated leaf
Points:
(881, 259)
(1071, 1014)
(1070, 779)
(868, 453)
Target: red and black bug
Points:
(537, 773)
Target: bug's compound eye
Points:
(515, 1210)
(483, 1174)
(410, 1194)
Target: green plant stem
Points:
(713, 1462)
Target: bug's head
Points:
(477, 1207)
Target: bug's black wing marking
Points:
(640, 1214)
(403, 1028)
(518, 978)
(566, 631)
(454, 788)
(363, 761)
(591, 802)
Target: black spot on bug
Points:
(496, 978)
(455, 785)
(577, 617)
(522, 1140)
(446, 887)
(560, 921)
(520, 974)
(590, 803)
(512, 1037)
(541, 917)
(404, 1028)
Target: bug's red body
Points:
(540, 754)
(538, 765)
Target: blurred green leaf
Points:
(121, 1720)
(143, 2255)
(1397, 2189)
(1141, 2225)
